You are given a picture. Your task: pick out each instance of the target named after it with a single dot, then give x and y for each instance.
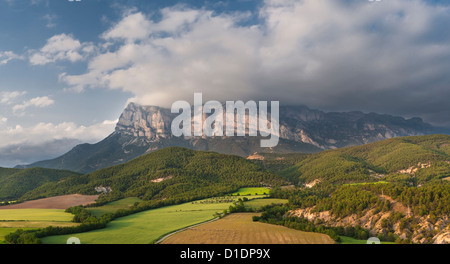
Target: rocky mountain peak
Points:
(151, 122)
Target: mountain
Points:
(144, 129)
(413, 160)
(16, 182)
(171, 173)
(396, 189)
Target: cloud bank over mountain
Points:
(390, 56)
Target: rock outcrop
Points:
(143, 129)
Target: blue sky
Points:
(67, 69)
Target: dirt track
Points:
(57, 202)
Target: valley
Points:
(327, 197)
(148, 226)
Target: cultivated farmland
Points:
(148, 226)
(13, 219)
(57, 202)
(114, 206)
(240, 229)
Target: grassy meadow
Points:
(251, 191)
(114, 206)
(257, 204)
(26, 219)
(349, 240)
(48, 215)
(148, 226)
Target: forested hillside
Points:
(170, 173)
(415, 160)
(396, 189)
(16, 182)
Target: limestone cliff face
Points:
(143, 129)
(150, 122)
(297, 123)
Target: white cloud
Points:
(23, 145)
(41, 102)
(50, 20)
(6, 56)
(59, 48)
(9, 97)
(43, 132)
(333, 54)
(132, 27)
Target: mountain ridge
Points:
(169, 173)
(144, 129)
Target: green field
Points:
(26, 219)
(48, 215)
(146, 227)
(114, 206)
(252, 191)
(257, 204)
(6, 231)
(350, 240)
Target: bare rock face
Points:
(443, 238)
(297, 123)
(143, 129)
(373, 222)
(150, 122)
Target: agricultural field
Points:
(257, 204)
(114, 206)
(349, 240)
(239, 228)
(13, 219)
(48, 215)
(57, 202)
(4, 231)
(148, 226)
(251, 191)
(40, 213)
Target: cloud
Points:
(43, 132)
(61, 47)
(9, 97)
(43, 101)
(22, 154)
(130, 28)
(50, 20)
(20, 145)
(6, 56)
(388, 56)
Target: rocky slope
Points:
(143, 129)
(426, 228)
